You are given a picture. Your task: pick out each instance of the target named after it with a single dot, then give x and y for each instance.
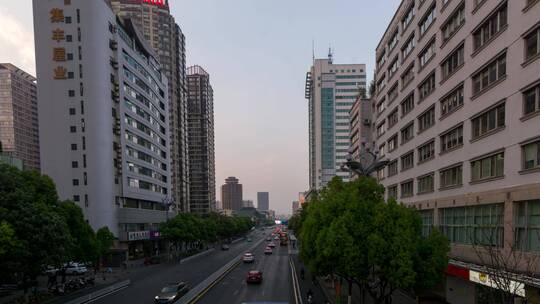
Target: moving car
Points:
(75, 268)
(171, 293)
(268, 250)
(248, 257)
(271, 245)
(249, 239)
(254, 276)
(225, 247)
(268, 239)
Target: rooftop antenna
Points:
(330, 54)
(313, 50)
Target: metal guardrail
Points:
(195, 294)
(100, 293)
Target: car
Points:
(248, 257)
(271, 245)
(75, 268)
(225, 247)
(254, 276)
(171, 293)
(268, 239)
(50, 270)
(249, 240)
(268, 250)
(276, 238)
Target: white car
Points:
(75, 268)
(248, 257)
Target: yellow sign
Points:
(59, 54)
(58, 35)
(60, 73)
(57, 15)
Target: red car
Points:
(271, 245)
(268, 250)
(254, 276)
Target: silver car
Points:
(171, 293)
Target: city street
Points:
(146, 283)
(275, 287)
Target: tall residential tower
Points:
(231, 194)
(331, 90)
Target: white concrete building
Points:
(331, 90)
(104, 130)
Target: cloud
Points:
(16, 42)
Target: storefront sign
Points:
(155, 2)
(511, 286)
(138, 235)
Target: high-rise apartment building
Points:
(331, 90)
(201, 141)
(19, 116)
(231, 194)
(263, 201)
(164, 35)
(104, 132)
(457, 107)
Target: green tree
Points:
(85, 247)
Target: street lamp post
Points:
(368, 163)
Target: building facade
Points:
(164, 35)
(263, 201)
(360, 124)
(456, 111)
(19, 134)
(202, 173)
(295, 207)
(231, 194)
(331, 90)
(105, 140)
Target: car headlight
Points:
(157, 298)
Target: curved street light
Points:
(168, 202)
(367, 163)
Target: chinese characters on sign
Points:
(57, 15)
(60, 73)
(59, 53)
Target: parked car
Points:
(75, 268)
(268, 250)
(254, 276)
(225, 247)
(171, 293)
(50, 270)
(271, 245)
(248, 257)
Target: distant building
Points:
(248, 204)
(201, 141)
(295, 207)
(231, 194)
(361, 132)
(19, 134)
(263, 201)
(331, 90)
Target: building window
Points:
(407, 161)
(492, 26)
(488, 121)
(453, 62)
(407, 189)
(531, 100)
(453, 23)
(407, 105)
(407, 133)
(392, 168)
(479, 225)
(74, 164)
(426, 184)
(393, 93)
(380, 175)
(392, 192)
(393, 118)
(382, 150)
(493, 72)
(69, 38)
(531, 155)
(408, 47)
(451, 177)
(67, 19)
(407, 18)
(426, 87)
(426, 54)
(71, 75)
(72, 129)
(427, 20)
(76, 198)
(381, 106)
(392, 69)
(381, 83)
(75, 182)
(426, 120)
(381, 60)
(427, 222)
(407, 76)
(426, 151)
(71, 93)
(392, 143)
(452, 101)
(71, 111)
(452, 139)
(69, 56)
(527, 223)
(532, 44)
(73, 147)
(393, 41)
(488, 167)
(381, 128)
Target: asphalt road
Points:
(276, 285)
(146, 283)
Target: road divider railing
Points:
(202, 288)
(91, 297)
(296, 285)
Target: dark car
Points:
(225, 247)
(254, 276)
(171, 293)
